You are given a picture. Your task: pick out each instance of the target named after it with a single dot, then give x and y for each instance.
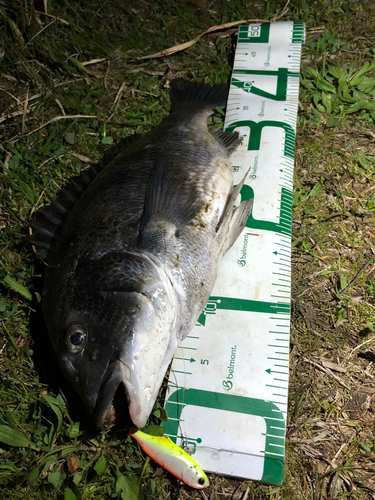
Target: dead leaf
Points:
(72, 464)
(333, 366)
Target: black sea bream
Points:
(133, 258)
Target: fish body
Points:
(173, 458)
(132, 266)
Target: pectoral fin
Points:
(171, 195)
(234, 220)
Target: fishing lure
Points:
(173, 458)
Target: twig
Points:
(93, 61)
(334, 463)
(60, 106)
(368, 190)
(31, 215)
(26, 103)
(69, 81)
(117, 100)
(119, 92)
(133, 91)
(33, 210)
(39, 32)
(11, 115)
(237, 489)
(365, 266)
(7, 159)
(203, 495)
(283, 12)
(327, 371)
(54, 17)
(11, 95)
(186, 45)
(106, 74)
(57, 118)
(360, 345)
(246, 494)
(17, 31)
(49, 160)
(82, 158)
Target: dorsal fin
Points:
(50, 219)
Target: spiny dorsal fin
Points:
(50, 219)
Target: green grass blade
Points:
(18, 287)
(13, 437)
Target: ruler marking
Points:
(275, 420)
(277, 387)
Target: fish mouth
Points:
(112, 404)
(121, 399)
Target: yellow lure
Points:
(173, 458)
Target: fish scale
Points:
(228, 386)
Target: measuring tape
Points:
(228, 386)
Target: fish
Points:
(132, 247)
(173, 458)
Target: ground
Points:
(71, 84)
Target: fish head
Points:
(114, 337)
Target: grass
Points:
(48, 448)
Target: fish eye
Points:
(201, 481)
(76, 338)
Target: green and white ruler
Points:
(228, 386)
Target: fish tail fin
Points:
(184, 91)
